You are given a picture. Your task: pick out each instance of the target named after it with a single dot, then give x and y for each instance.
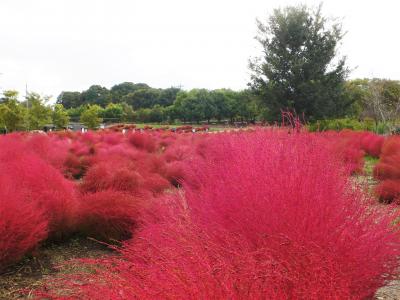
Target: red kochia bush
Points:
(123, 168)
(174, 172)
(112, 174)
(108, 215)
(389, 163)
(156, 183)
(49, 148)
(388, 170)
(44, 187)
(352, 146)
(389, 191)
(347, 145)
(142, 141)
(372, 143)
(22, 224)
(265, 215)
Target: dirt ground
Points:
(389, 292)
(30, 273)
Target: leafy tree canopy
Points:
(299, 69)
(91, 116)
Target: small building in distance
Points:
(49, 128)
(77, 127)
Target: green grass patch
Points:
(370, 163)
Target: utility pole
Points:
(27, 105)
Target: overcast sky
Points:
(55, 45)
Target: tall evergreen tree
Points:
(298, 70)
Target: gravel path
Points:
(389, 292)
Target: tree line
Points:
(376, 99)
(130, 102)
(127, 102)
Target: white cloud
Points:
(56, 45)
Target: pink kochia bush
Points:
(262, 215)
(109, 215)
(36, 201)
(115, 175)
(41, 185)
(372, 143)
(22, 225)
(347, 145)
(352, 146)
(388, 171)
(46, 188)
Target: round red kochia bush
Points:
(391, 146)
(49, 148)
(42, 185)
(155, 183)
(389, 163)
(143, 141)
(80, 149)
(123, 151)
(388, 191)
(113, 138)
(113, 174)
(262, 215)
(174, 172)
(177, 152)
(388, 170)
(74, 166)
(22, 224)
(108, 215)
(372, 143)
(347, 145)
(139, 174)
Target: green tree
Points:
(142, 98)
(225, 103)
(167, 96)
(9, 95)
(171, 113)
(3, 110)
(357, 93)
(69, 99)
(118, 91)
(39, 114)
(188, 107)
(113, 113)
(297, 70)
(128, 113)
(96, 94)
(156, 114)
(90, 117)
(195, 105)
(60, 116)
(247, 107)
(13, 115)
(74, 113)
(143, 115)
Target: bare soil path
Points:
(31, 272)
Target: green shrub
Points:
(347, 123)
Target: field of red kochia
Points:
(255, 214)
